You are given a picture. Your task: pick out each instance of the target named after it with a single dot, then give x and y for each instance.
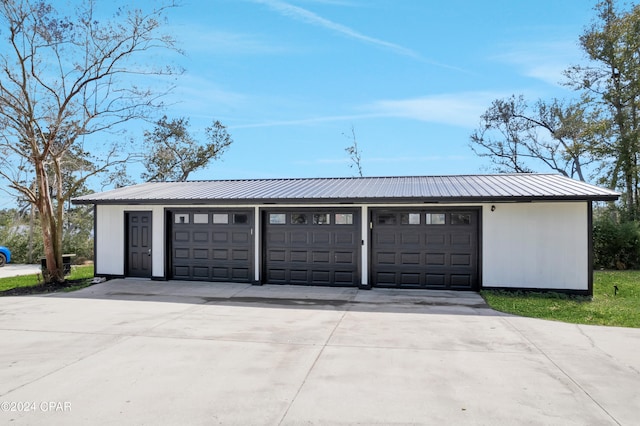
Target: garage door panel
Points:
(240, 254)
(212, 245)
(277, 275)
(461, 240)
(181, 271)
(299, 276)
(220, 254)
(386, 258)
(299, 238)
(435, 240)
(409, 239)
(317, 246)
(426, 248)
(220, 273)
(200, 237)
(344, 238)
(277, 255)
(201, 272)
(435, 259)
(320, 256)
(240, 274)
(435, 280)
(200, 253)
(461, 260)
(410, 279)
(345, 257)
(385, 278)
(181, 253)
(344, 277)
(299, 256)
(321, 238)
(321, 277)
(276, 237)
(385, 238)
(181, 236)
(220, 237)
(410, 258)
(240, 237)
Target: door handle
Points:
(149, 252)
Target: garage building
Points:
(529, 231)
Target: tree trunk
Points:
(50, 235)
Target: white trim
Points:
(364, 248)
(257, 243)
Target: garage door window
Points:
(386, 219)
(240, 219)
(200, 218)
(182, 218)
(277, 218)
(460, 219)
(410, 218)
(221, 218)
(435, 219)
(344, 218)
(298, 219)
(321, 219)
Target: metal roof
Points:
(460, 188)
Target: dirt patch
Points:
(45, 288)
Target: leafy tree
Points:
(616, 245)
(612, 79)
(601, 130)
(516, 137)
(172, 154)
(62, 80)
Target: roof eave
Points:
(364, 200)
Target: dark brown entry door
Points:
(138, 244)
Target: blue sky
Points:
(290, 78)
(412, 77)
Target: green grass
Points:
(605, 308)
(77, 273)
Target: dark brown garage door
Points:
(418, 248)
(312, 247)
(212, 245)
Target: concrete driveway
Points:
(164, 353)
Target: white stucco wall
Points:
(110, 239)
(535, 245)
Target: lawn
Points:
(605, 308)
(80, 277)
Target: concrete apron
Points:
(144, 352)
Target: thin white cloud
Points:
(211, 41)
(304, 121)
(304, 15)
(545, 61)
(309, 17)
(456, 109)
(197, 96)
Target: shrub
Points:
(616, 245)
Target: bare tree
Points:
(62, 80)
(517, 138)
(354, 152)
